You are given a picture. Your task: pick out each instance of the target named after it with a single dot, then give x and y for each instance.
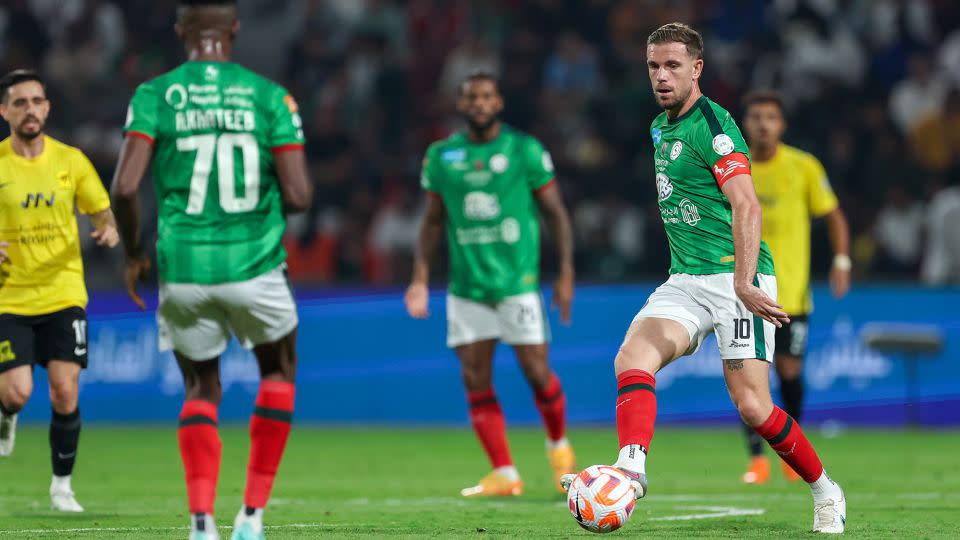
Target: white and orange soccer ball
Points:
(601, 499)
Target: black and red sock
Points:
(490, 426)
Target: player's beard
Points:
(678, 102)
(480, 127)
(29, 134)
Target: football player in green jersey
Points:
(227, 151)
(721, 276)
(487, 187)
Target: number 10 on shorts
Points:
(741, 329)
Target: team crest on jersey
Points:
(498, 163)
(664, 187)
(675, 151)
(722, 144)
(176, 96)
(657, 135)
(689, 212)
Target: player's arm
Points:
(839, 233)
(105, 228)
(135, 156)
(747, 215)
(558, 221)
(428, 241)
(295, 186)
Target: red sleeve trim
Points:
(140, 135)
(729, 166)
(286, 148)
(545, 187)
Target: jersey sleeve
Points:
(822, 200)
(286, 126)
(91, 196)
(142, 113)
(722, 146)
(539, 165)
(430, 172)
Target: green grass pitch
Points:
(366, 483)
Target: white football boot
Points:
(830, 512)
(638, 481)
(248, 527)
(202, 527)
(8, 433)
(61, 495)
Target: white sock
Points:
(559, 443)
(823, 487)
(60, 483)
(632, 458)
(509, 472)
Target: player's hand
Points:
(762, 305)
(3, 252)
(106, 237)
(417, 299)
(563, 295)
(839, 282)
(138, 268)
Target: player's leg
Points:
(64, 379)
(16, 385)
(788, 362)
(60, 340)
(16, 374)
(195, 327)
(472, 332)
(523, 324)
(199, 440)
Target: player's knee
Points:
(752, 408)
(633, 356)
(16, 398)
(475, 380)
(64, 395)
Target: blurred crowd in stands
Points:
(873, 88)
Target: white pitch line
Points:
(712, 512)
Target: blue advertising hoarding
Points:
(354, 345)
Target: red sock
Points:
(552, 404)
(785, 436)
(269, 429)
(490, 426)
(200, 450)
(636, 407)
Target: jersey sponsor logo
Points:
(205, 100)
(34, 199)
(481, 206)
(689, 212)
(547, 161)
(478, 178)
(510, 230)
(664, 187)
(722, 144)
(64, 178)
(657, 135)
(6, 352)
(499, 163)
(176, 96)
(458, 154)
(203, 88)
(675, 151)
(238, 90)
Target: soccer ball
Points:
(601, 499)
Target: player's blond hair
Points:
(679, 33)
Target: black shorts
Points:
(26, 340)
(791, 338)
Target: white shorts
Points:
(197, 320)
(707, 303)
(516, 320)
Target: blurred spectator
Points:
(935, 140)
(899, 229)
(941, 260)
(918, 96)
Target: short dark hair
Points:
(679, 33)
(762, 97)
(16, 77)
(479, 76)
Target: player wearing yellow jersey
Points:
(42, 294)
(792, 187)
